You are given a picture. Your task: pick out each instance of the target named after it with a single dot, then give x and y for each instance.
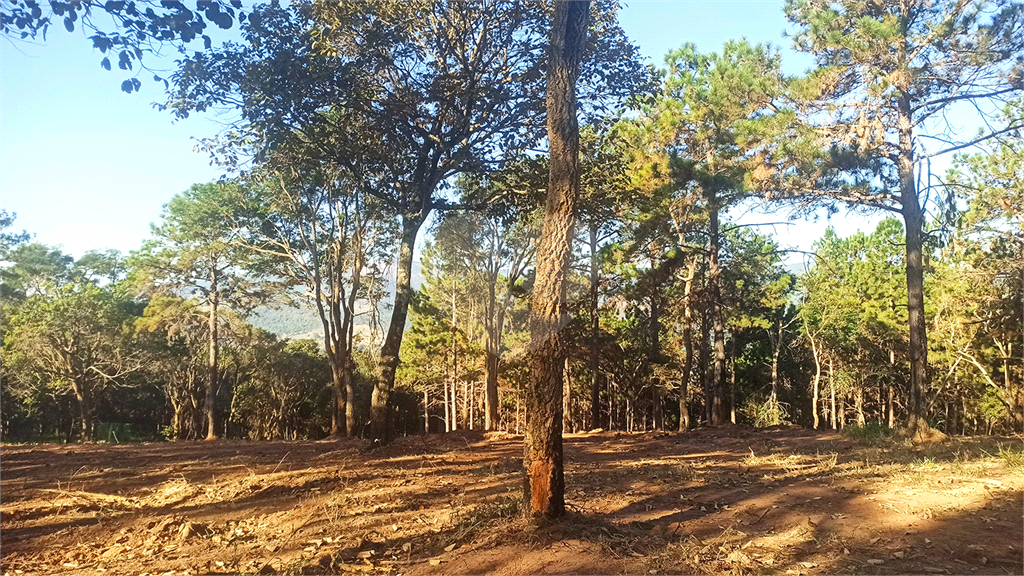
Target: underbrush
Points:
(869, 432)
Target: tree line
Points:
(582, 271)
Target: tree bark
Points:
(684, 385)
(817, 379)
(380, 429)
(544, 480)
(718, 384)
(913, 218)
(211, 382)
(595, 331)
(832, 390)
(732, 379)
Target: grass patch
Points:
(871, 431)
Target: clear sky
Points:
(85, 165)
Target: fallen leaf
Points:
(873, 540)
(366, 554)
(876, 561)
(435, 561)
(899, 554)
(450, 547)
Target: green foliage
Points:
(762, 410)
(871, 431)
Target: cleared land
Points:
(712, 501)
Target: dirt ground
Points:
(712, 501)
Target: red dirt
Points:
(712, 501)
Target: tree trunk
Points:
(426, 412)
(832, 390)
(595, 330)
(85, 410)
(732, 379)
(718, 384)
(913, 218)
(817, 379)
(211, 382)
(447, 409)
(544, 482)
(338, 404)
(684, 385)
(491, 387)
(705, 352)
(350, 405)
(567, 399)
(380, 430)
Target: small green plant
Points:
(869, 431)
(1013, 456)
(763, 411)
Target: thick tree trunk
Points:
(338, 404)
(595, 331)
(211, 382)
(544, 482)
(380, 429)
(85, 410)
(913, 218)
(350, 406)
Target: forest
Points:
(521, 262)
(358, 137)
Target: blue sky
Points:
(86, 166)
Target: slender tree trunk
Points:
(544, 481)
(832, 390)
(211, 382)
(703, 361)
(858, 403)
(426, 412)
(380, 431)
(718, 384)
(684, 385)
(567, 399)
(447, 409)
(491, 388)
(775, 365)
(817, 379)
(595, 331)
(913, 218)
(732, 379)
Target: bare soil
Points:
(713, 501)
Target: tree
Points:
(492, 252)
(418, 95)
(134, 28)
(74, 336)
(193, 252)
(544, 480)
(887, 72)
(302, 223)
(711, 122)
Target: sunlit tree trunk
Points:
(544, 482)
(595, 330)
(684, 384)
(380, 430)
(211, 382)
